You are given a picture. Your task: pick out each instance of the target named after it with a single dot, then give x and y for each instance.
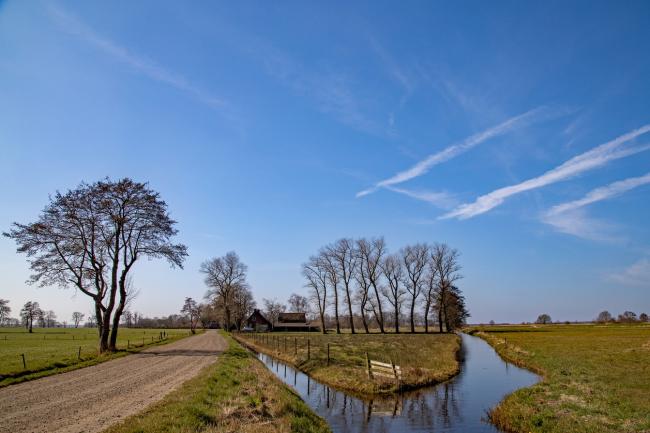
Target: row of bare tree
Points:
(363, 276)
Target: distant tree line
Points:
(625, 317)
(603, 317)
(352, 281)
(32, 314)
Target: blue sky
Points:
(516, 132)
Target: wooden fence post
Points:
(397, 379)
(368, 366)
(328, 354)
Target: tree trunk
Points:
(118, 314)
(347, 292)
(336, 309)
(380, 319)
(396, 317)
(412, 315)
(98, 317)
(440, 318)
(364, 320)
(427, 307)
(322, 322)
(103, 339)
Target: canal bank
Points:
(458, 405)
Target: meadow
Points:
(596, 378)
(425, 359)
(235, 394)
(53, 350)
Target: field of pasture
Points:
(596, 378)
(425, 359)
(51, 350)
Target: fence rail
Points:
(383, 369)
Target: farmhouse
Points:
(292, 322)
(258, 322)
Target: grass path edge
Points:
(27, 375)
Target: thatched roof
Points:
(292, 318)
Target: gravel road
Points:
(91, 399)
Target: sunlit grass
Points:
(52, 350)
(596, 377)
(236, 394)
(424, 358)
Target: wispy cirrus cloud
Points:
(602, 193)
(637, 274)
(454, 150)
(592, 159)
(73, 25)
(440, 199)
(569, 218)
(332, 92)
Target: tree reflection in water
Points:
(458, 405)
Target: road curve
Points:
(93, 398)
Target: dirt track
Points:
(91, 399)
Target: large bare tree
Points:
(371, 253)
(362, 293)
(224, 276)
(430, 281)
(414, 258)
(447, 266)
(328, 260)
(92, 236)
(316, 276)
(394, 292)
(345, 259)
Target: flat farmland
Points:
(596, 378)
(51, 350)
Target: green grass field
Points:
(425, 359)
(596, 378)
(237, 394)
(51, 350)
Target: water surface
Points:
(459, 405)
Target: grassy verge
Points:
(425, 359)
(596, 378)
(235, 394)
(55, 350)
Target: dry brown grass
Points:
(425, 359)
(236, 394)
